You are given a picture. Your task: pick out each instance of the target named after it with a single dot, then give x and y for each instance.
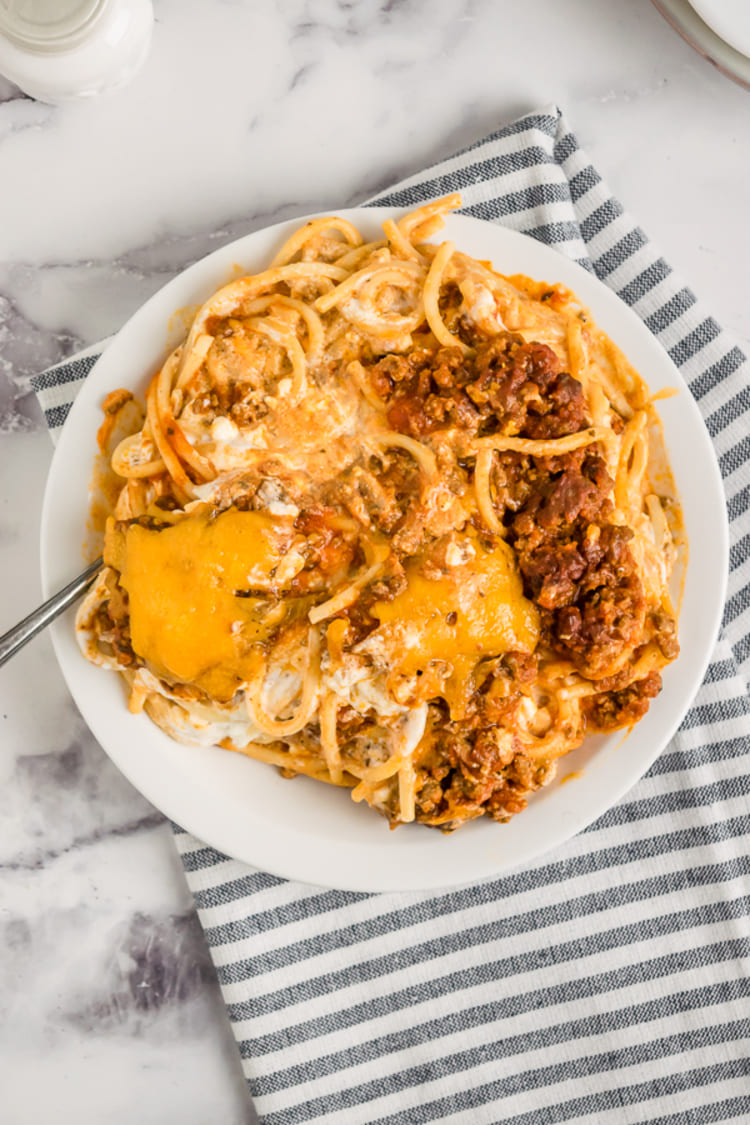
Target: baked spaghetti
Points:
(391, 520)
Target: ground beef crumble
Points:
(507, 387)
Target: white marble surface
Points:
(247, 112)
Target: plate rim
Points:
(683, 18)
(396, 878)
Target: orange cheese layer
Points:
(477, 610)
(186, 621)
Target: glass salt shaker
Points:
(63, 50)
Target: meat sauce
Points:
(575, 562)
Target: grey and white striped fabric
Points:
(608, 983)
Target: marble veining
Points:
(246, 114)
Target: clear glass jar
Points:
(62, 50)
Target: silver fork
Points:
(22, 633)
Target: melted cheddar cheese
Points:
(187, 621)
(475, 611)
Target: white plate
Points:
(684, 18)
(303, 829)
(730, 19)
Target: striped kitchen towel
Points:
(607, 983)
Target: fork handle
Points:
(22, 633)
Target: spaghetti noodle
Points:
(393, 521)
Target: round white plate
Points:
(302, 829)
(683, 16)
(730, 19)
